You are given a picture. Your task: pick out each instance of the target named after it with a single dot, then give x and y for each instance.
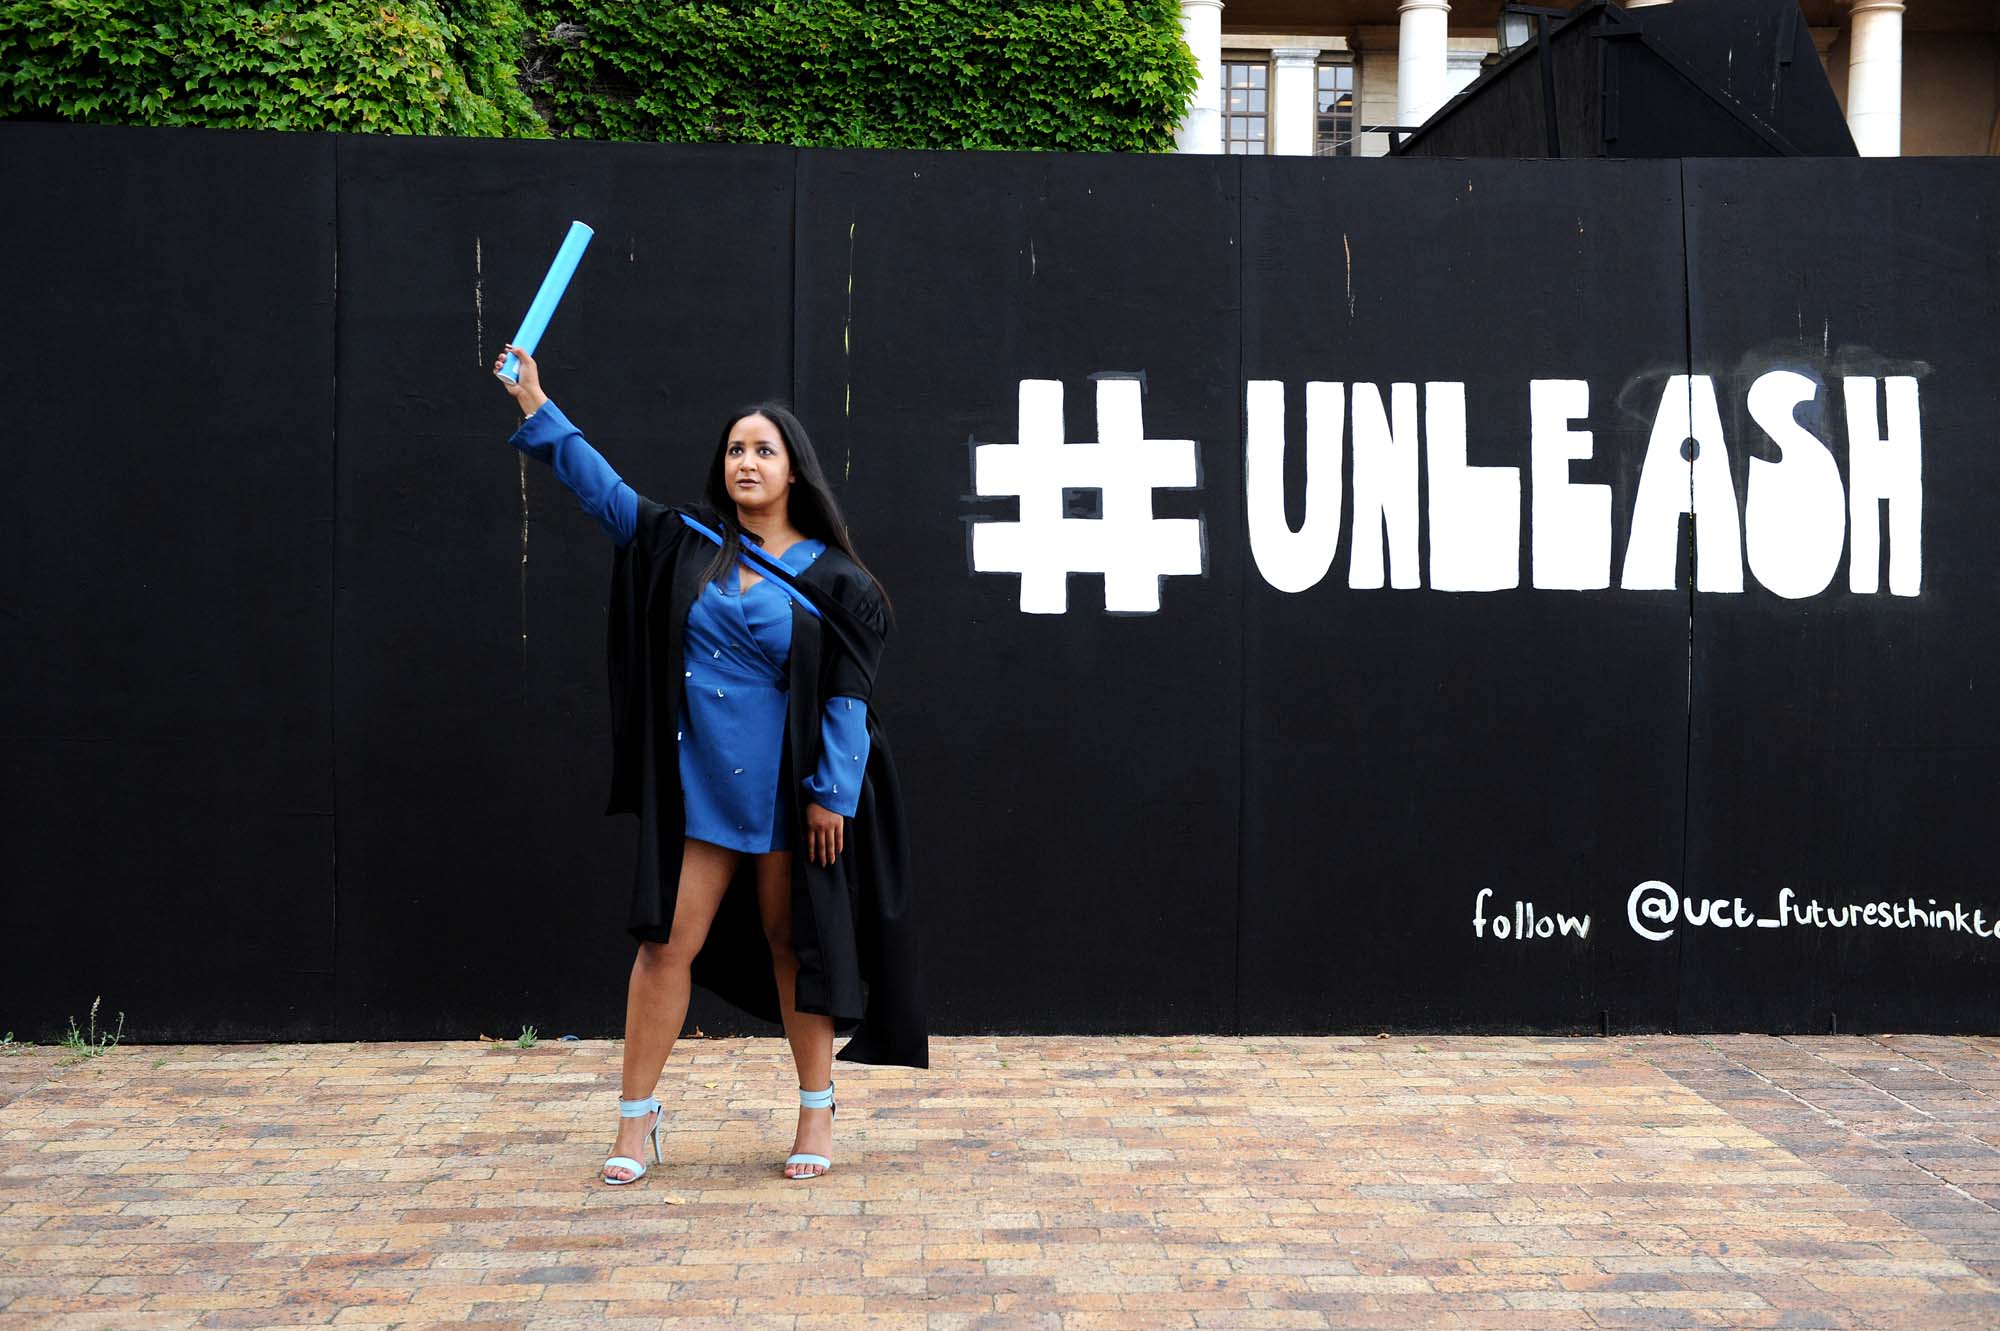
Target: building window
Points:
(1246, 116)
(1333, 134)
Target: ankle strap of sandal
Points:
(637, 1108)
(816, 1099)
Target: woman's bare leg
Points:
(656, 999)
(810, 1033)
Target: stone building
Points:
(1334, 77)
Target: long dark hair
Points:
(812, 507)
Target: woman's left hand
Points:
(527, 389)
(826, 834)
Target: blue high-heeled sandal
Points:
(635, 1109)
(813, 1100)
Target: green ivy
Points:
(1061, 74)
(378, 66)
(1109, 75)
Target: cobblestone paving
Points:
(1070, 1184)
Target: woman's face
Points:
(755, 465)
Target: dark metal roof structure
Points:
(1697, 78)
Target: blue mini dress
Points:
(736, 654)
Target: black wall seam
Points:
(792, 346)
(1694, 523)
(1242, 637)
(333, 598)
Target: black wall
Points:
(303, 729)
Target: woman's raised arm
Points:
(547, 436)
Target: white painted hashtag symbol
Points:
(1128, 545)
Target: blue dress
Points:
(737, 648)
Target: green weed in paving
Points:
(90, 1043)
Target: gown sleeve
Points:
(835, 784)
(547, 436)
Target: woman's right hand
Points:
(527, 392)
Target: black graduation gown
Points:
(852, 924)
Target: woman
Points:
(744, 638)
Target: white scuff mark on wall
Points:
(1031, 257)
(1347, 250)
(478, 303)
(847, 325)
(846, 357)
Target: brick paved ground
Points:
(1045, 1183)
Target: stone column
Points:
(1420, 60)
(1875, 77)
(1294, 100)
(1201, 28)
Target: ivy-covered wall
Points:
(1109, 74)
(404, 67)
(1047, 74)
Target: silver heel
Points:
(813, 1100)
(635, 1109)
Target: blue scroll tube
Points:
(553, 286)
